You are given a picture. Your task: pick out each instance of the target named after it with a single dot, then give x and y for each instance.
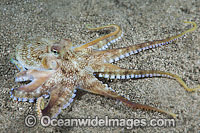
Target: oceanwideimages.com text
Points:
(129, 123)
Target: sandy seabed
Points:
(141, 20)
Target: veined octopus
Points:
(57, 69)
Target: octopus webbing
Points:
(56, 69)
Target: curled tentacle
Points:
(34, 89)
(60, 99)
(29, 92)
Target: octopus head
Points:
(32, 54)
(37, 60)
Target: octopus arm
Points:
(91, 84)
(114, 72)
(60, 98)
(19, 66)
(33, 89)
(113, 55)
(104, 67)
(103, 42)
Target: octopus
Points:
(56, 69)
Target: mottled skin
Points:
(56, 68)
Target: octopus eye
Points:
(55, 50)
